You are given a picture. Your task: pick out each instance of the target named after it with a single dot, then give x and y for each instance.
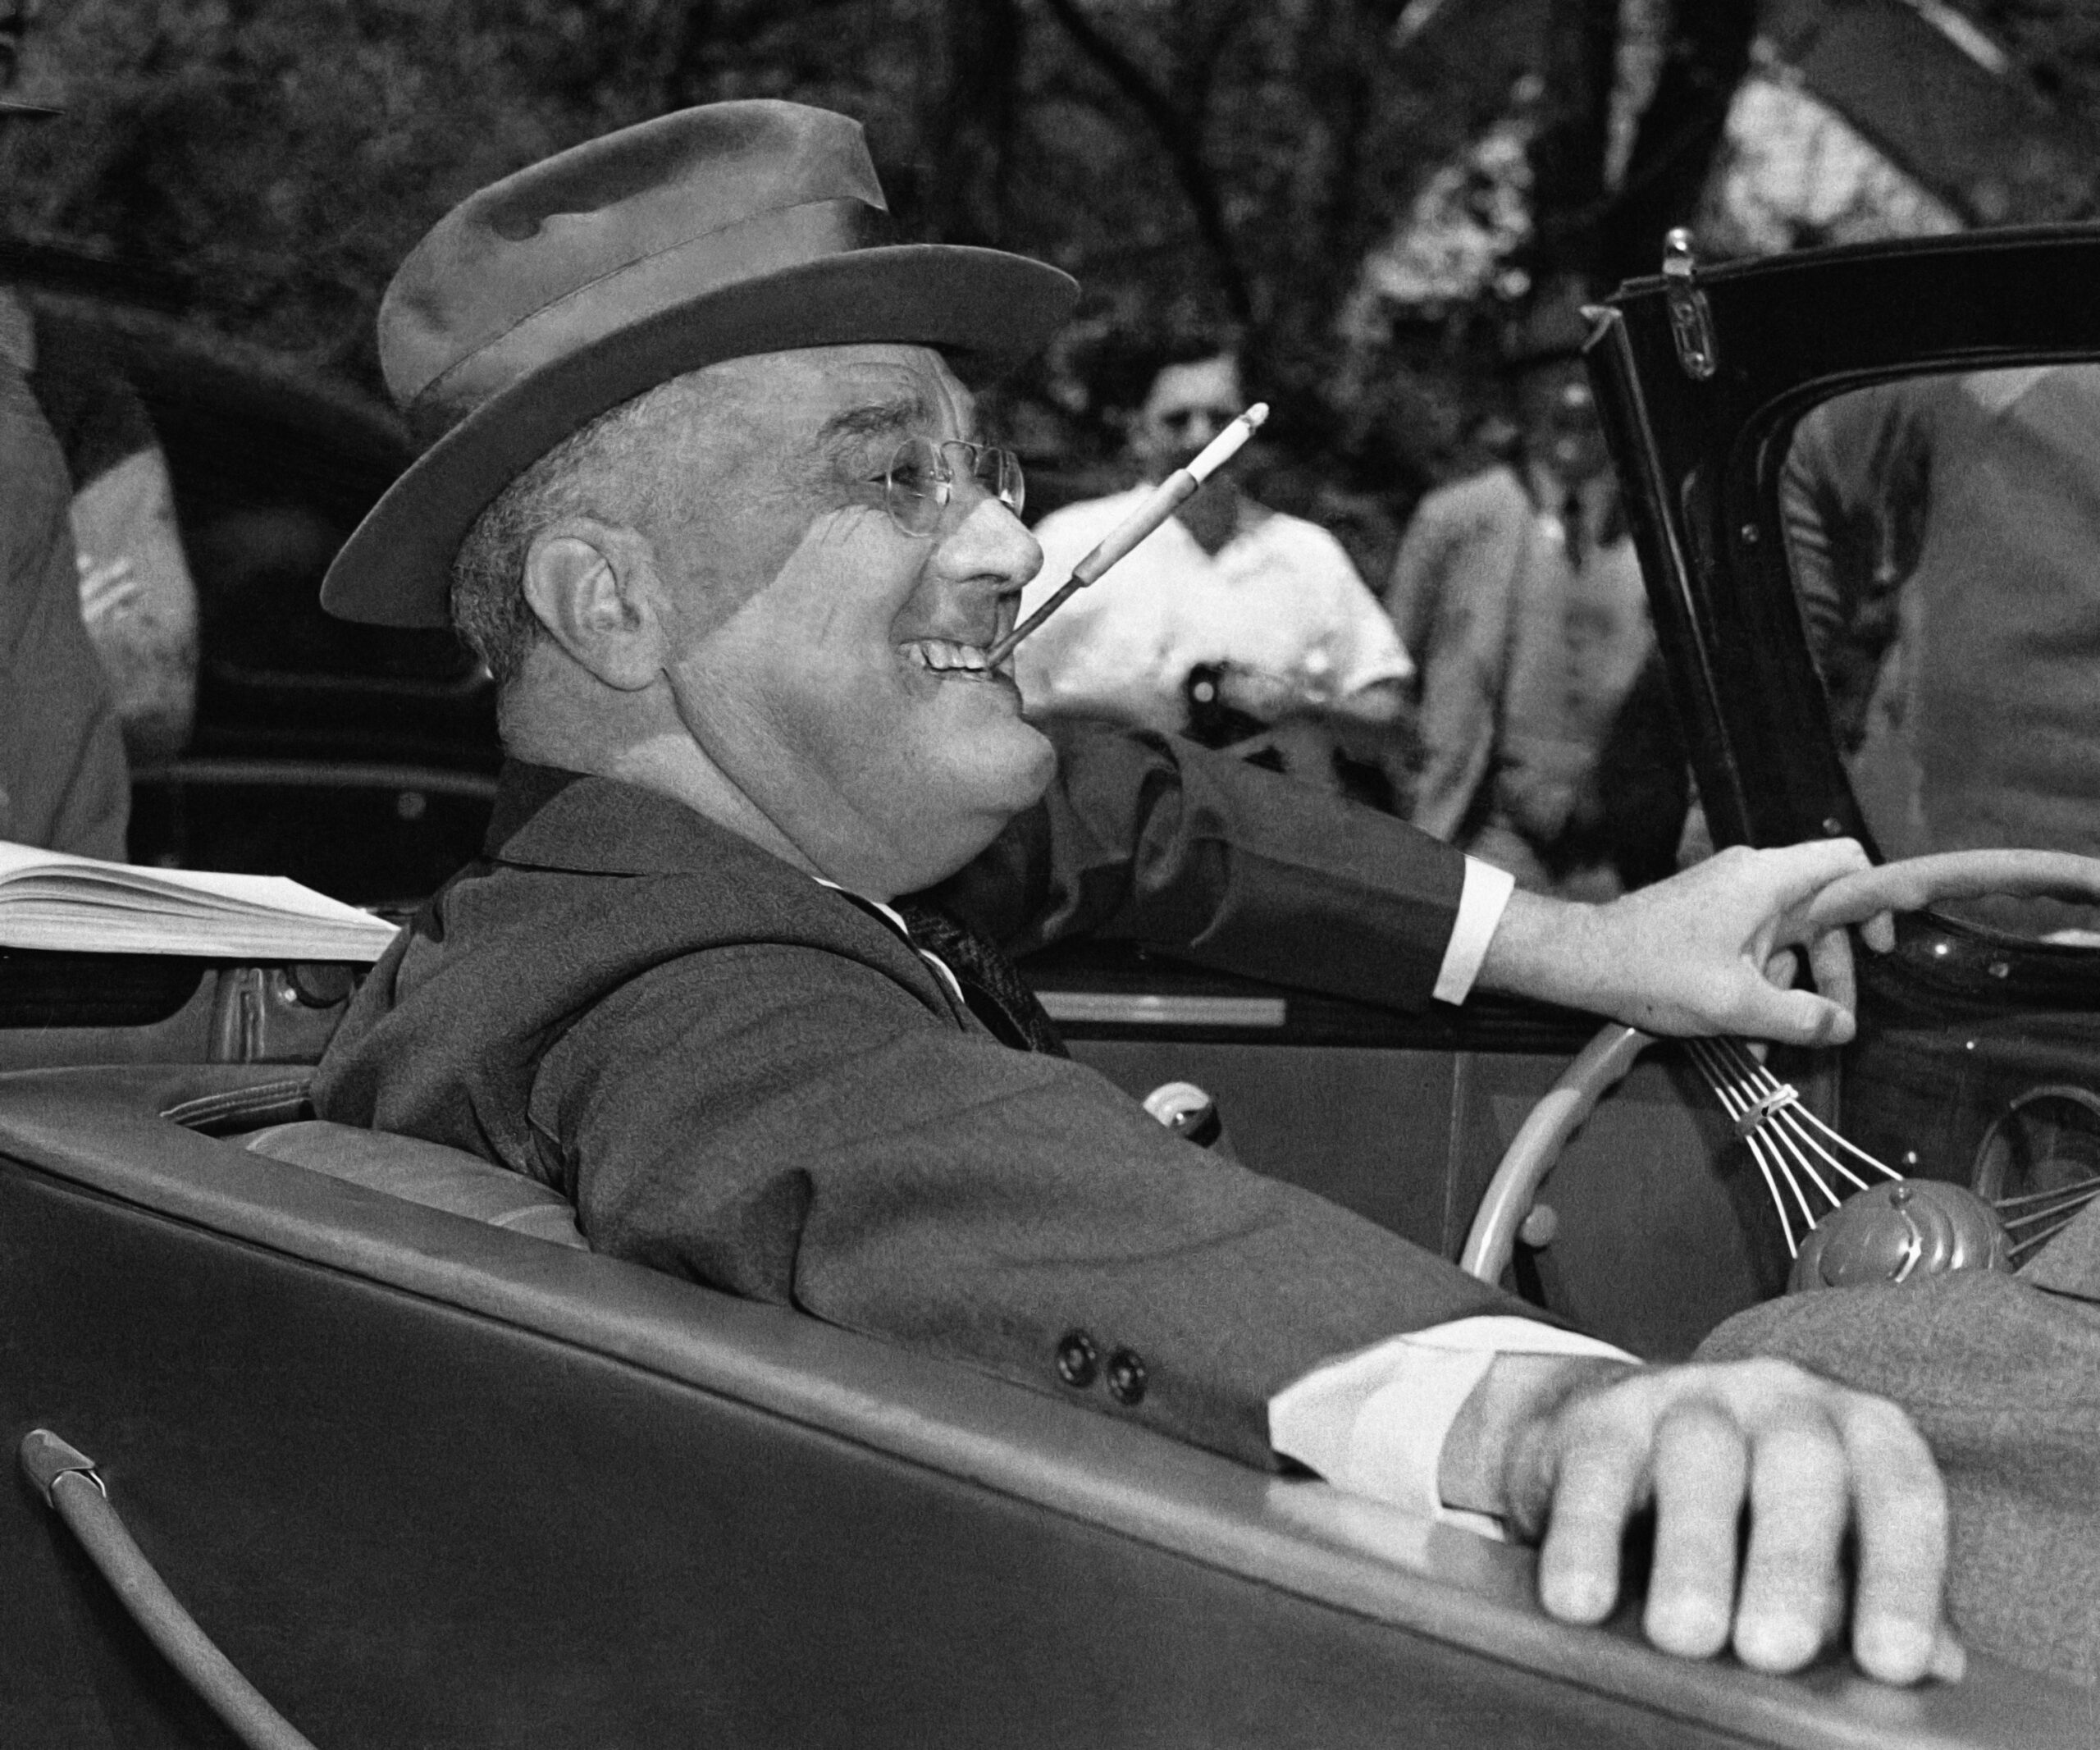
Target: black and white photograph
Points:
(1169, 874)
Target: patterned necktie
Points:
(993, 988)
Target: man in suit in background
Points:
(63, 784)
(135, 594)
(707, 495)
(1547, 747)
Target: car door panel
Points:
(411, 1520)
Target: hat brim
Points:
(990, 307)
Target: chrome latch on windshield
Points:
(1691, 322)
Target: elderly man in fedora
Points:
(706, 490)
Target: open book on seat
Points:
(50, 899)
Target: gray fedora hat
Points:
(554, 296)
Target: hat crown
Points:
(552, 296)
(571, 248)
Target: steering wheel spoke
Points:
(1782, 1135)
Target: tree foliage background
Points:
(1199, 164)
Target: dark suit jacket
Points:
(2001, 1375)
(742, 1078)
(62, 779)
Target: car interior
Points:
(368, 1397)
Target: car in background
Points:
(428, 1471)
(360, 759)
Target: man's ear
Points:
(588, 581)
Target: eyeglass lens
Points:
(922, 477)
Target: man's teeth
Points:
(943, 656)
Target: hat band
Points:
(765, 243)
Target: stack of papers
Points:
(49, 899)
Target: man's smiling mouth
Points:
(947, 657)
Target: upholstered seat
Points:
(425, 1172)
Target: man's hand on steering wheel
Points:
(1568, 1450)
(1708, 951)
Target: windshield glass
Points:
(1944, 534)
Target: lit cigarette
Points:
(1166, 498)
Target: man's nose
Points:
(985, 540)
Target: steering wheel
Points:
(1906, 886)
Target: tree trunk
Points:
(970, 124)
(1680, 133)
(1178, 128)
(1567, 152)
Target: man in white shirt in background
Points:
(1269, 602)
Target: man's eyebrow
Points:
(899, 418)
(877, 419)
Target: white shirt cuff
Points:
(1374, 1422)
(1481, 903)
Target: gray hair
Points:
(603, 470)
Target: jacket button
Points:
(1077, 1360)
(1126, 1378)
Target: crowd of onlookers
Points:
(1500, 686)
